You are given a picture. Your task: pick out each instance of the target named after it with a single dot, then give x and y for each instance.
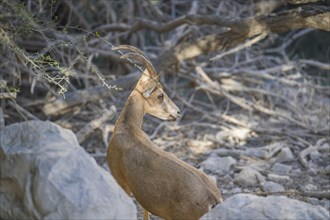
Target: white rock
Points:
(247, 206)
(256, 152)
(281, 169)
(236, 190)
(230, 185)
(260, 165)
(313, 169)
(278, 178)
(270, 186)
(325, 203)
(309, 187)
(218, 165)
(313, 201)
(327, 170)
(246, 191)
(296, 171)
(248, 177)
(315, 156)
(45, 174)
(285, 155)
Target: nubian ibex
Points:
(164, 185)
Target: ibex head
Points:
(156, 101)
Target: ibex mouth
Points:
(172, 118)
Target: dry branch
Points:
(8, 95)
(314, 194)
(215, 88)
(318, 147)
(83, 133)
(2, 119)
(186, 19)
(306, 16)
(303, 17)
(3, 84)
(25, 113)
(60, 104)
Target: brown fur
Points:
(160, 182)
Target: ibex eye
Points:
(161, 96)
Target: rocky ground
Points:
(256, 182)
(243, 161)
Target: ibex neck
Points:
(132, 114)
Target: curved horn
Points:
(142, 59)
(131, 48)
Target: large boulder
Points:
(247, 206)
(45, 174)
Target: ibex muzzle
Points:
(160, 182)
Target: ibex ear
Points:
(149, 87)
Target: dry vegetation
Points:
(244, 78)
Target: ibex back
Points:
(160, 182)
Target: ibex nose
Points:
(179, 112)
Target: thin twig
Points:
(8, 95)
(246, 44)
(96, 123)
(22, 111)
